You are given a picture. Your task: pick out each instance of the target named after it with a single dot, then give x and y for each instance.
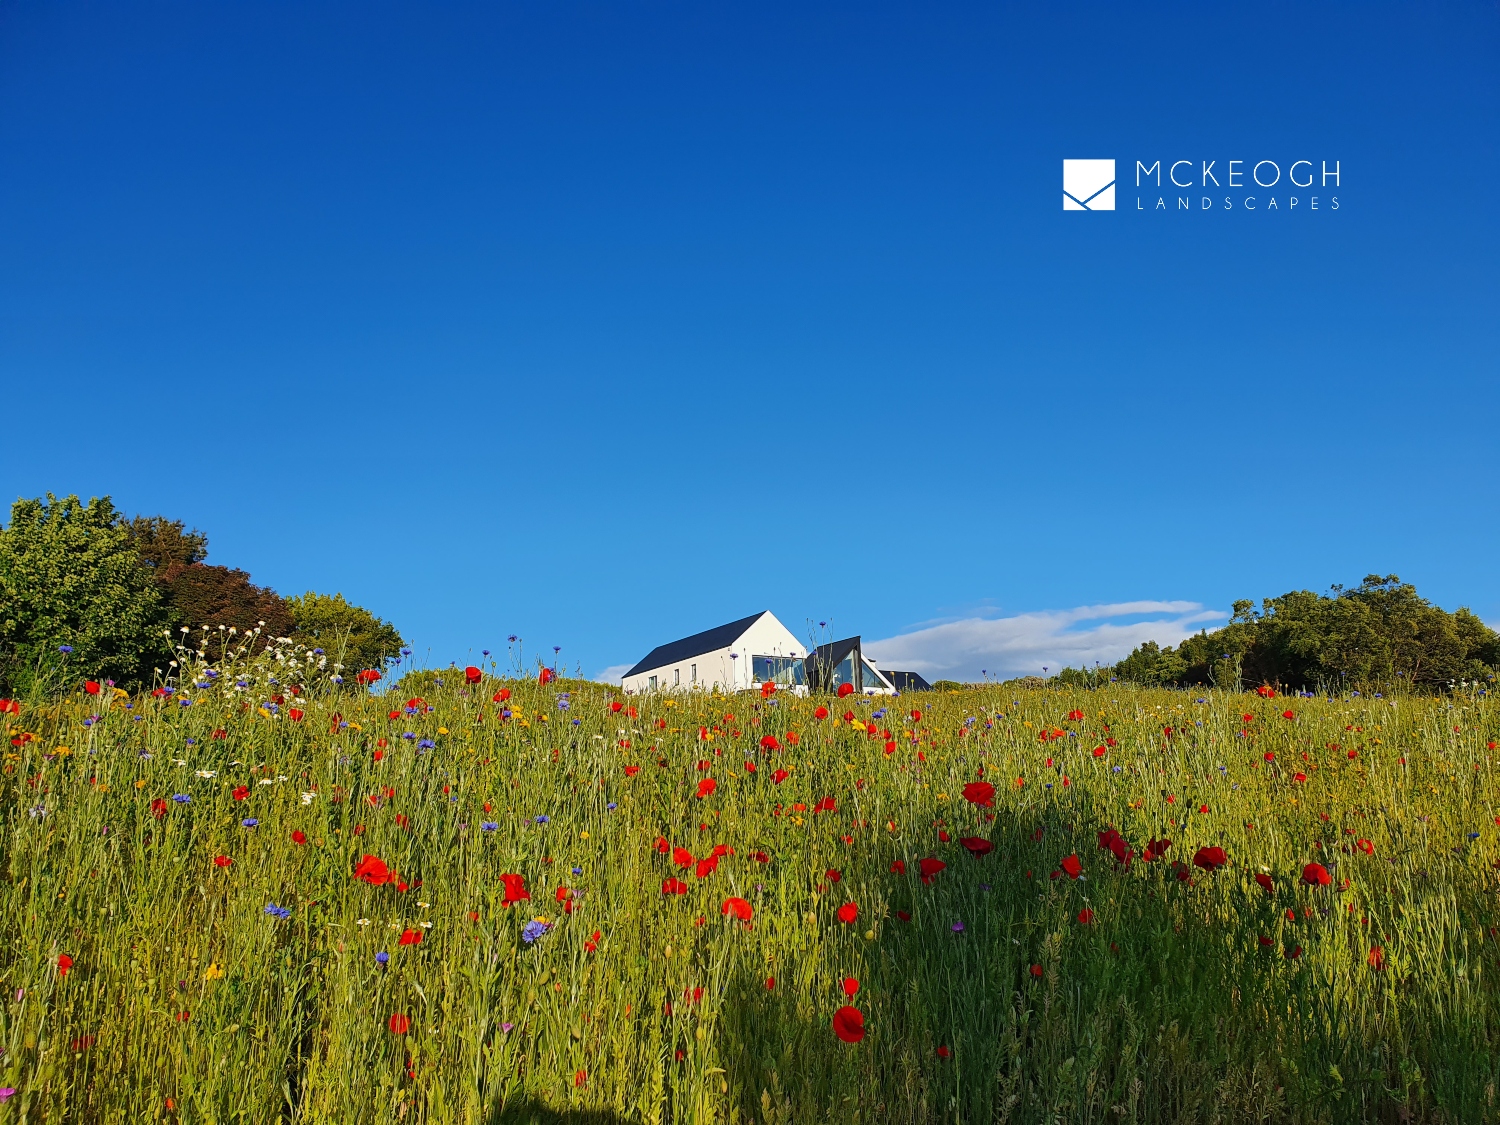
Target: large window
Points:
(786, 671)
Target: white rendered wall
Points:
(728, 668)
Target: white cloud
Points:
(614, 674)
(1018, 646)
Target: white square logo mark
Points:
(1088, 185)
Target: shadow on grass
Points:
(530, 1114)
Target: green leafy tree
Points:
(70, 575)
(1379, 633)
(350, 635)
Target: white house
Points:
(733, 657)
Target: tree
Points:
(350, 635)
(1379, 633)
(197, 594)
(70, 575)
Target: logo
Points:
(1088, 185)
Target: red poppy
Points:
(564, 893)
(673, 886)
(219, 732)
(410, 937)
(848, 913)
(943, 836)
(592, 945)
(295, 714)
(241, 792)
(768, 689)
(367, 677)
(850, 986)
(740, 908)
(1376, 959)
(9, 707)
(980, 793)
(1098, 751)
(1365, 846)
(820, 712)
(373, 870)
(1294, 954)
(930, 867)
(472, 674)
(631, 771)
(1316, 875)
(580, 1077)
(762, 857)
(825, 805)
(770, 983)
(91, 686)
(64, 963)
(1072, 866)
(848, 1022)
(399, 1024)
(779, 776)
(706, 787)
(222, 861)
(1036, 970)
(515, 888)
(681, 856)
(706, 866)
(159, 807)
(546, 676)
(1265, 882)
(916, 716)
(905, 916)
(1086, 916)
(845, 689)
(890, 747)
(502, 695)
(1210, 859)
(944, 1053)
(768, 742)
(898, 867)
(1075, 714)
(848, 716)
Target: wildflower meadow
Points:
(262, 896)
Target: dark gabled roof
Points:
(707, 641)
(825, 658)
(906, 681)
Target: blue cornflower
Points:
(562, 703)
(382, 957)
(543, 819)
(426, 744)
(533, 930)
(277, 911)
(408, 736)
(64, 648)
(485, 652)
(249, 822)
(577, 871)
(192, 742)
(181, 798)
(317, 652)
(489, 825)
(611, 806)
(185, 702)
(958, 927)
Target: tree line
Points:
(1379, 634)
(86, 592)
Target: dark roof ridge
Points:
(696, 645)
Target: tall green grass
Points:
(186, 1001)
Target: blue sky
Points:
(602, 325)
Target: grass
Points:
(1178, 1001)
